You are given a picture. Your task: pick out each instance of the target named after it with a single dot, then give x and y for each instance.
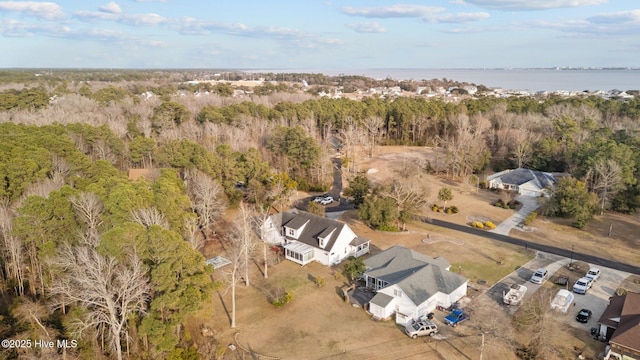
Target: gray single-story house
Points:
(523, 181)
(409, 284)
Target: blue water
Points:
(524, 79)
(532, 80)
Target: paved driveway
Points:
(529, 204)
(596, 299)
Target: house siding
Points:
(402, 304)
(383, 313)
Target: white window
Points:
(291, 232)
(321, 242)
(397, 293)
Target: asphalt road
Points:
(591, 259)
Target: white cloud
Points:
(426, 13)
(193, 26)
(111, 8)
(43, 10)
(533, 4)
(393, 11)
(622, 23)
(15, 28)
(620, 17)
(457, 18)
(128, 19)
(367, 27)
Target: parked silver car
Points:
(539, 276)
(421, 328)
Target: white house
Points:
(523, 181)
(409, 284)
(307, 237)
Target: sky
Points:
(311, 35)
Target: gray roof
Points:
(521, 176)
(419, 276)
(381, 299)
(317, 226)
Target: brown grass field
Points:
(317, 324)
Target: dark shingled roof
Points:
(316, 226)
(419, 276)
(521, 176)
(627, 333)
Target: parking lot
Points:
(596, 299)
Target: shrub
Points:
(454, 209)
(435, 207)
(529, 219)
(501, 204)
(513, 204)
(477, 224)
(283, 300)
(391, 228)
(449, 211)
(319, 281)
(489, 225)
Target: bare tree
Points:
(246, 238)
(410, 194)
(88, 208)
(467, 145)
(207, 197)
(60, 169)
(148, 217)
(372, 124)
(536, 316)
(351, 136)
(236, 256)
(495, 327)
(111, 291)
(12, 250)
(607, 181)
(522, 145)
(259, 221)
(32, 315)
(192, 233)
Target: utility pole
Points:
(571, 263)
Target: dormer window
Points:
(321, 242)
(291, 232)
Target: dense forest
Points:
(92, 255)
